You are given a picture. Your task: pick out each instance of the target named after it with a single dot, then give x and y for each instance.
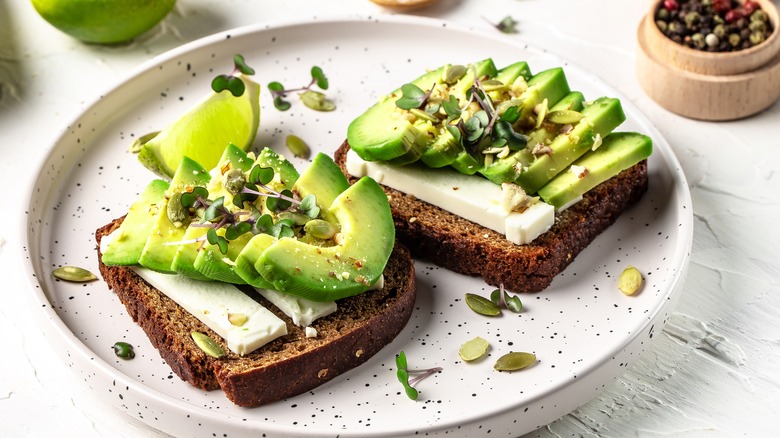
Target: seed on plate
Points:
(482, 305)
(74, 274)
(630, 280)
(297, 146)
(473, 349)
(514, 361)
(317, 101)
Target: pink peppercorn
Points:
(671, 5)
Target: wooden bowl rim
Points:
(770, 44)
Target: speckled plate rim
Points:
(65, 343)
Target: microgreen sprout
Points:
(501, 298)
(217, 216)
(489, 128)
(404, 372)
(312, 99)
(230, 81)
(506, 25)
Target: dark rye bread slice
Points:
(467, 248)
(287, 366)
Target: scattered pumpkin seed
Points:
(630, 280)
(564, 117)
(493, 85)
(317, 101)
(234, 181)
(74, 274)
(454, 73)
(294, 216)
(514, 361)
(320, 229)
(473, 349)
(297, 146)
(208, 345)
(482, 305)
(123, 350)
(420, 114)
(139, 142)
(237, 319)
(177, 213)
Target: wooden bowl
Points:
(706, 85)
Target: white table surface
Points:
(715, 371)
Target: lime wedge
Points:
(204, 132)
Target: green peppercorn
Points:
(698, 40)
(662, 14)
(692, 19)
(759, 15)
(735, 39)
(662, 25)
(719, 31)
(757, 26)
(757, 38)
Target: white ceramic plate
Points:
(583, 330)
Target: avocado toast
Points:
(499, 173)
(293, 279)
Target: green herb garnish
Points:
(502, 299)
(312, 99)
(404, 372)
(291, 214)
(506, 25)
(231, 82)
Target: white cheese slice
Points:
(302, 311)
(467, 196)
(212, 301)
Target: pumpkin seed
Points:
(208, 345)
(493, 85)
(294, 216)
(454, 73)
(177, 213)
(317, 101)
(482, 305)
(234, 181)
(74, 274)
(237, 319)
(541, 112)
(420, 114)
(297, 146)
(514, 361)
(320, 229)
(123, 350)
(473, 349)
(564, 117)
(630, 280)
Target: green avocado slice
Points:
(157, 255)
(127, 242)
(210, 261)
(379, 136)
(600, 118)
(352, 265)
(618, 151)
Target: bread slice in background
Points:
(287, 366)
(462, 246)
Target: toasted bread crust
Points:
(287, 366)
(467, 248)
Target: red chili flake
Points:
(671, 5)
(721, 5)
(734, 15)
